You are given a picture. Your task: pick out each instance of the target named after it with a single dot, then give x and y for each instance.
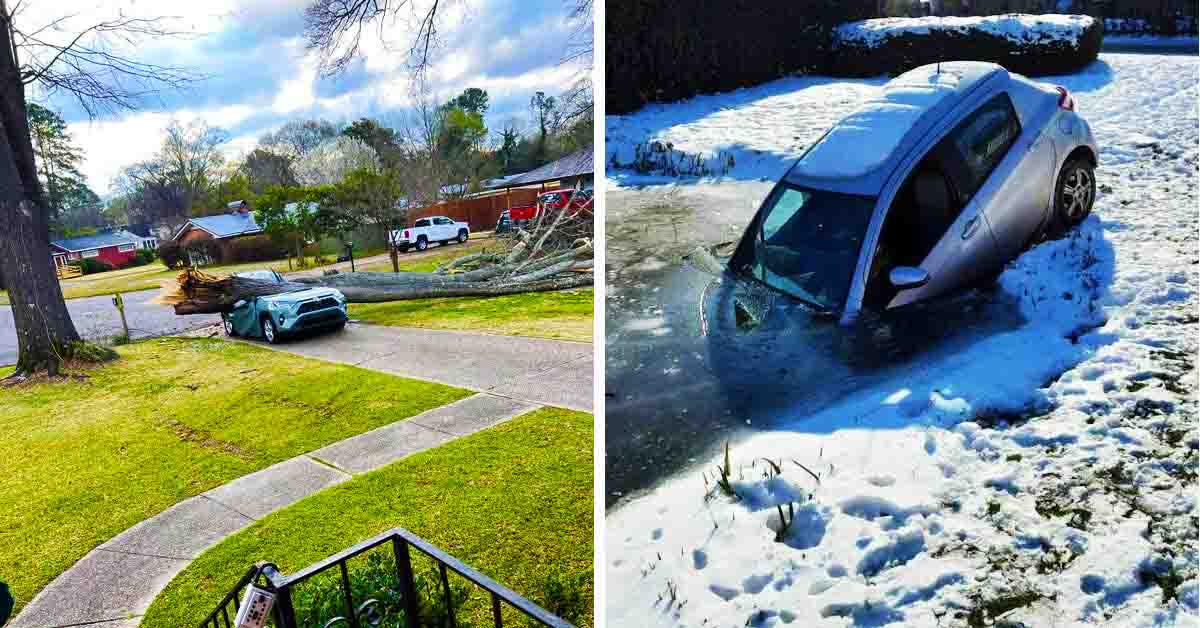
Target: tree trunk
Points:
(44, 326)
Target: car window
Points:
(441, 221)
(424, 222)
(261, 275)
(809, 241)
(983, 139)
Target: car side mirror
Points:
(904, 277)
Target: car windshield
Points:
(808, 242)
(261, 275)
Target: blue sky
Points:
(260, 76)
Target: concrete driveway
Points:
(534, 370)
(96, 319)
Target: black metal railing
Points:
(368, 612)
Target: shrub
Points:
(259, 248)
(171, 254)
(90, 266)
(663, 51)
(144, 256)
(1026, 44)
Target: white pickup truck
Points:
(428, 230)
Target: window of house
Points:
(126, 248)
(91, 253)
(983, 139)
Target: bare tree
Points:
(334, 29)
(191, 154)
(100, 79)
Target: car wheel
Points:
(336, 327)
(228, 323)
(422, 243)
(462, 237)
(269, 332)
(1074, 195)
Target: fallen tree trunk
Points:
(197, 292)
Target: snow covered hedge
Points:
(1034, 45)
(664, 51)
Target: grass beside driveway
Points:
(513, 501)
(85, 458)
(563, 315)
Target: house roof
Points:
(139, 229)
(224, 225)
(573, 165)
(97, 241)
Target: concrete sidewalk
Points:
(114, 584)
(535, 370)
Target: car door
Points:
(969, 156)
(1008, 168)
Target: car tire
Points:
(1074, 195)
(228, 325)
(336, 327)
(269, 332)
(402, 249)
(463, 236)
(422, 243)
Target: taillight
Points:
(1065, 100)
(406, 233)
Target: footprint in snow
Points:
(882, 481)
(724, 593)
(755, 584)
(699, 559)
(656, 534)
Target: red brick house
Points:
(111, 247)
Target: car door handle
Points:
(970, 227)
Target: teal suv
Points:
(277, 316)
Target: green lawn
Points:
(86, 457)
(429, 260)
(563, 315)
(147, 277)
(514, 502)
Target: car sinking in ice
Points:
(929, 188)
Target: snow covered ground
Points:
(1045, 475)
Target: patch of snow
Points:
(1015, 27)
(867, 138)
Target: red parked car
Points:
(558, 199)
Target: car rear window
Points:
(424, 222)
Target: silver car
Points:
(933, 186)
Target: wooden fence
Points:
(480, 212)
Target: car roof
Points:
(856, 155)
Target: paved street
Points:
(96, 318)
